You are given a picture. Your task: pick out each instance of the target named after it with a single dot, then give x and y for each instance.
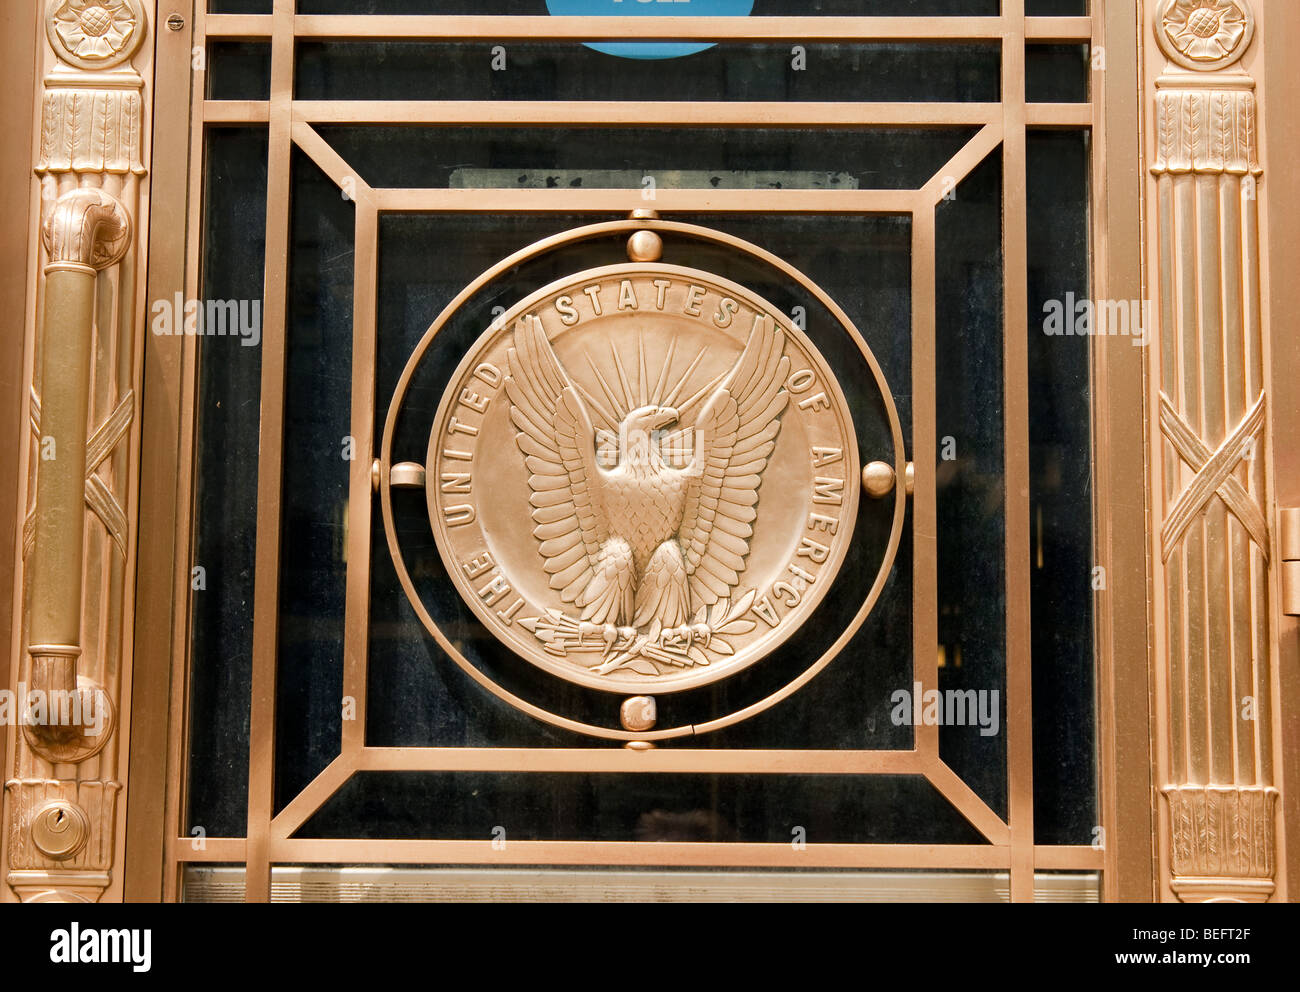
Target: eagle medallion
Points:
(642, 478)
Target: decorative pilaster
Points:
(1210, 461)
(62, 789)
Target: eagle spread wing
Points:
(558, 441)
(736, 432)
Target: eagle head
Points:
(636, 442)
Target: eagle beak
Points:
(666, 415)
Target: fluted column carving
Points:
(1211, 415)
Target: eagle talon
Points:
(675, 635)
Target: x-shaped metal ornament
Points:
(99, 497)
(1213, 475)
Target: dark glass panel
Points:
(843, 809)
(714, 158)
(240, 6)
(1065, 791)
(417, 70)
(1056, 8)
(225, 490)
(418, 697)
(970, 476)
(239, 70)
(317, 424)
(1057, 73)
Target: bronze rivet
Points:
(638, 713)
(645, 246)
(878, 479)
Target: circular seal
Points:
(642, 478)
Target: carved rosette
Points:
(1204, 34)
(95, 34)
(62, 787)
(1210, 419)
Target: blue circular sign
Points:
(650, 8)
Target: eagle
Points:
(643, 543)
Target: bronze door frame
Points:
(292, 123)
(148, 858)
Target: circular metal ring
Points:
(589, 233)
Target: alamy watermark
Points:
(209, 318)
(1075, 317)
(55, 708)
(679, 449)
(76, 944)
(947, 708)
